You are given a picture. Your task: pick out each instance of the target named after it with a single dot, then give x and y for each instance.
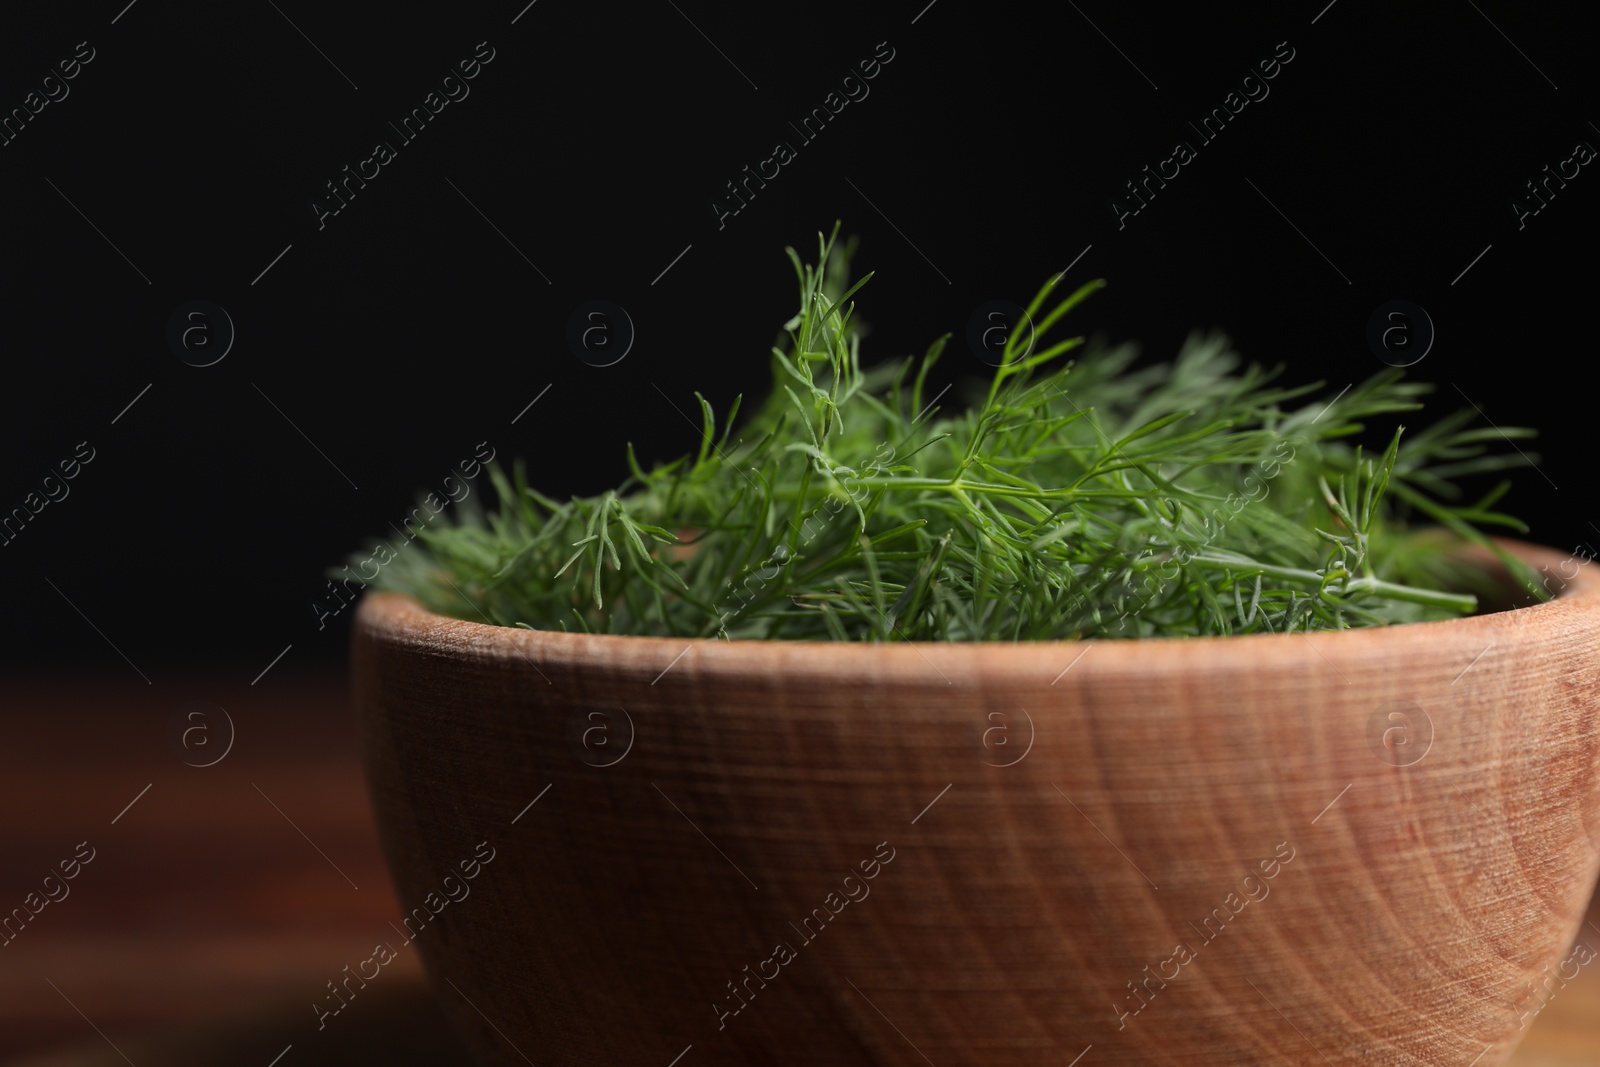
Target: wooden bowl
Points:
(1373, 846)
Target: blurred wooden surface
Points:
(202, 900)
(207, 925)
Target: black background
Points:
(407, 329)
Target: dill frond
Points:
(1076, 499)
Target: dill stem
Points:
(1463, 602)
(959, 486)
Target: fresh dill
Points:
(1076, 499)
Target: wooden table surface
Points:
(219, 904)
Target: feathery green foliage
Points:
(1075, 500)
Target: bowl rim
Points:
(397, 620)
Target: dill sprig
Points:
(1075, 499)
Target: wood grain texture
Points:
(1379, 890)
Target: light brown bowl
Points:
(1372, 846)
